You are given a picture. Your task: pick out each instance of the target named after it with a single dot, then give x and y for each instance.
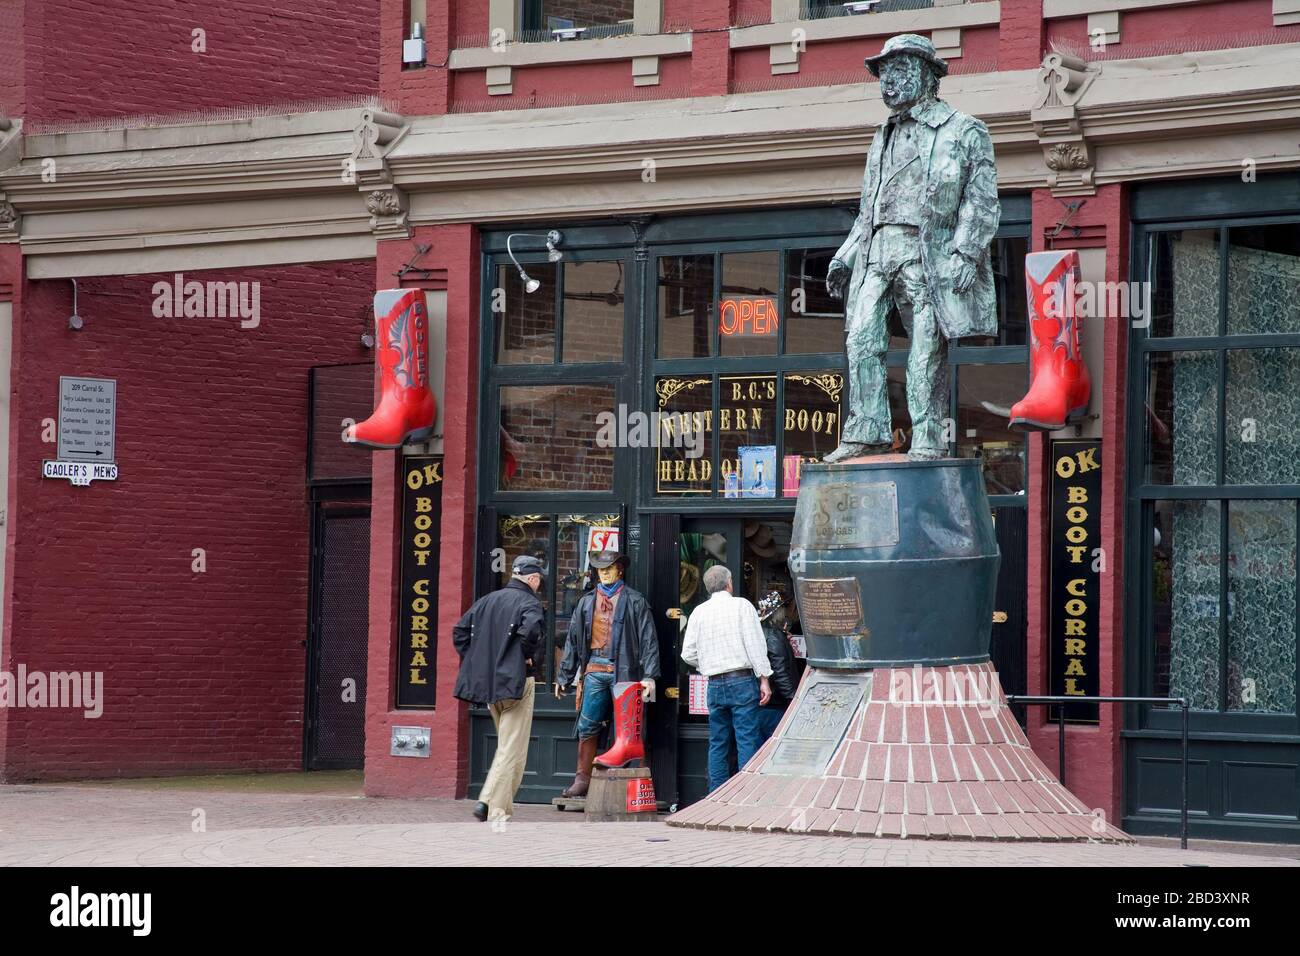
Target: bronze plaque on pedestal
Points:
(821, 716)
(830, 606)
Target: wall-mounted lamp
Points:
(75, 321)
(553, 254)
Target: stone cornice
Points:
(334, 182)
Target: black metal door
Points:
(336, 647)
(1010, 615)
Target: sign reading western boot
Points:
(406, 410)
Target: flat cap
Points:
(526, 564)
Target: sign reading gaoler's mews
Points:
(417, 611)
(1077, 561)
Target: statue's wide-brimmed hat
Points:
(603, 559)
(908, 43)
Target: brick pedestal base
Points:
(928, 753)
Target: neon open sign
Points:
(747, 317)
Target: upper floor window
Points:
(574, 19)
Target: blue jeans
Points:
(597, 704)
(733, 711)
(768, 718)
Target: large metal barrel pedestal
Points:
(899, 727)
(895, 562)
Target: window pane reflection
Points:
(685, 306)
(593, 311)
(749, 326)
(526, 326)
(814, 321)
(548, 438)
(984, 392)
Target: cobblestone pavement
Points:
(153, 824)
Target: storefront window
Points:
(684, 452)
(593, 311)
(1222, 419)
(1185, 275)
(1182, 414)
(1185, 600)
(525, 320)
(747, 432)
(685, 306)
(984, 393)
(548, 438)
(1262, 606)
(811, 422)
(1262, 408)
(814, 321)
(1263, 279)
(749, 311)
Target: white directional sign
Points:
(87, 419)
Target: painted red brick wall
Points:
(202, 671)
(1093, 753)
(87, 59)
(445, 772)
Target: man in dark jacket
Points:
(785, 677)
(611, 644)
(499, 641)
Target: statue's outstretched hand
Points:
(963, 273)
(837, 279)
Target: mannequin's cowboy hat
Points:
(908, 43)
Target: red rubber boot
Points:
(629, 712)
(1059, 386)
(406, 410)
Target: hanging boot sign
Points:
(406, 411)
(1059, 387)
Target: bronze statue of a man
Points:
(920, 245)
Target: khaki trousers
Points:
(514, 723)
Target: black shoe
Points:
(481, 811)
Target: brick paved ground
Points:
(318, 820)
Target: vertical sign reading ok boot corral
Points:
(1077, 560)
(417, 612)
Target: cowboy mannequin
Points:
(920, 245)
(613, 651)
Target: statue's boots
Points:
(855, 449)
(587, 747)
(406, 409)
(629, 715)
(1059, 388)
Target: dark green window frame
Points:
(1219, 205)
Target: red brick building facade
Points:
(297, 150)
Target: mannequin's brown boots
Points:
(587, 748)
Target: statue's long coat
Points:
(961, 212)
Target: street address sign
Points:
(87, 419)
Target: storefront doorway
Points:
(671, 375)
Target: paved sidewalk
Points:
(158, 823)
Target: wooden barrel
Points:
(622, 795)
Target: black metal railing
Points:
(826, 9)
(1181, 702)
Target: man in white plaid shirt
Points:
(724, 642)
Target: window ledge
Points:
(572, 51)
(983, 13)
